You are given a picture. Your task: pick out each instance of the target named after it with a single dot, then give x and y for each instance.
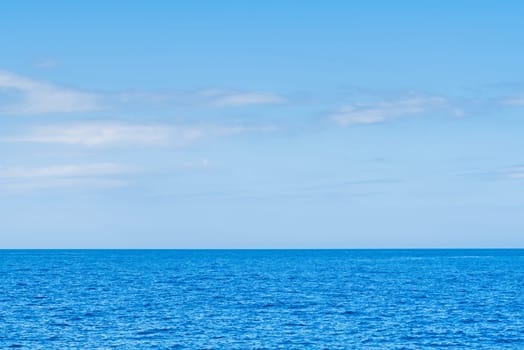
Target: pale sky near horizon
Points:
(261, 124)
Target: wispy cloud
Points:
(108, 133)
(505, 173)
(200, 164)
(228, 99)
(516, 173)
(24, 96)
(70, 183)
(35, 97)
(386, 110)
(99, 175)
(513, 101)
(100, 133)
(76, 170)
(214, 98)
(46, 63)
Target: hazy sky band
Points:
(261, 124)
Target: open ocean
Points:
(262, 299)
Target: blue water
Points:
(338, 299)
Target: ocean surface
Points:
(262, 299)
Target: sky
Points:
(261, 124)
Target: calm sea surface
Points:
(324, 299)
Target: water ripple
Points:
(262, 299)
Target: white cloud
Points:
(34, 97)
(96, 175)
(95, 134)
(53, 183)
(23, 96)
(517, 173)
(200, 164)
(106, 133)
(382, 111)
(235, 130)
(246, 99)
(46, 63)
(67, 171)
(215, 98)
(514, 101)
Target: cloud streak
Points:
(97, 134)
(19, 95)
(95, 175)
(246, 99)
(96, 169)
(382, 111)
(516, 173)
(24, 96)
(45, 63)
(209, 98)
(513, 101)
(109, 133)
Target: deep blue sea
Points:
(262, 299)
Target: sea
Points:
(262, 299)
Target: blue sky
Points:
(261, 124)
